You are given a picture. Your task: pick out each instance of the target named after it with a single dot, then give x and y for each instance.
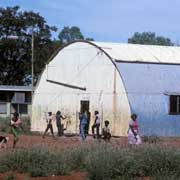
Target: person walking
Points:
(49, 125)
(133, 131)
(96, 124)
(83, 123)
(15, 125)
(59, 125)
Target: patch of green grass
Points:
(100, 161)
(5, 125)
(25, 178)
(151, 139)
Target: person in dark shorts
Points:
(59, 125)
(49, 125)
(3, 141)
(106, 131)
(96, 124)
(15, 125)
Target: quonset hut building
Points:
(115, 79)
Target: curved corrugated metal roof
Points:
(141, 53)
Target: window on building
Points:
(28, 97)
(18, 97)
(20, 108)
(3, 97)
(3, 108)
(174, 104)
(23, 108)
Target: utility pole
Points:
(32, 61)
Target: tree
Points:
(89, 39)
(149, 38)
(69, 34)
(15, 54)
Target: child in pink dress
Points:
(133, 132)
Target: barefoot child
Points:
(133, 132)
(15, 125)
(106, 131)
(96, 125)
(49, 125)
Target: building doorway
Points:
(84, 106)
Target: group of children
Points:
(84, 124)
(59, 125)
(133, 132)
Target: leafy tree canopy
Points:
(15, 53)
(149, 38)
(69, 34)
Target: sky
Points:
(108, 20)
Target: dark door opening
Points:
(84, 106)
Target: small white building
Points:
(115, 79)
(15, 98)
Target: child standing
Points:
(15, 125)
(60, 127)
(96, 124)
(83, 123)
(133, 131)
(49, 125)
(106, 131)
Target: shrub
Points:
(100, 160)
(151, 139)
(133, 163)
(5, 125)
(26, 161)
(41, 162)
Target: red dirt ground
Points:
(73, 176)
(26, 141)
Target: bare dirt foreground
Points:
(26, 142)
(64, 142)
(73, 176)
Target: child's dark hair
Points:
(50, 113)
(134, 116)
(58, 113)
(106, 123)
(16, 115)
(96, 112)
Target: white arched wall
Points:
(85, 65)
